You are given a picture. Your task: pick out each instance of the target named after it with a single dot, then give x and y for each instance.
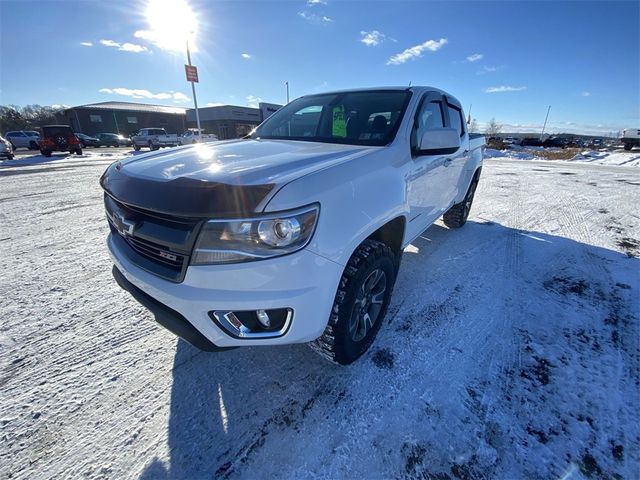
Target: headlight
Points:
(244, 240)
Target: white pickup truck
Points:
(296, 233)
(154, 138)
(192, 136)
(630, 138)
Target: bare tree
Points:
(473, 126)
(493, 128)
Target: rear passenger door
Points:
(457, 161)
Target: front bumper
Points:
(303, 281)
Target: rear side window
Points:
(455, 117)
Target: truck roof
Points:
(414, 88)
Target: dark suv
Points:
(58, 138)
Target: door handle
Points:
(466, 152)
(447, 161)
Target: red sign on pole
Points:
(192, 73)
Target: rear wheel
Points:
(628, 146)
(457, 215)
(33, 145)
(152, 146)
(136, 147)
(46, 153)
(360, 304)
(79, 151)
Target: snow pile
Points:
(627, 159)
(512, 154)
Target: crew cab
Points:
(630, 138)
(295, 233)
(192, 136)
(154, 138)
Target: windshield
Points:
(355, 118)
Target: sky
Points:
(507, 60)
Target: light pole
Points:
(193, 90)
(287, 83)
(545, 122)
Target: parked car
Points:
(58, 138)
(192, 136)
(531, 142)
(108, 140)
(124, 141)
(6, 149)
(556, 142)
(630, 138)
(87, 141)
(23, 139)
(154, 138)
(295, 234)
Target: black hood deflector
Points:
(182, 196)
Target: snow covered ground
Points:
(511, 349)
(598, 157)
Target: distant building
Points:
(230, 121)
(226, 121)
(123, 117)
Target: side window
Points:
(455, 117)
(95, 118)
(429, 117)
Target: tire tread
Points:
(328, 344)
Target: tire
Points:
(46, 153)
(33, 146)
(79, 151)
(136, 147)
(153, 147)
(457, 215)
(628, 146)
(369, 276)
(10, 156)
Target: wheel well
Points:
(392, 234)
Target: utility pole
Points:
(545, 122)
(193, 90)
(287, 83)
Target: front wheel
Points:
(33, 146)
(79, 151)
(360, 304)
(136, 147)
(628, 146)
(46, 153)
(457, 215)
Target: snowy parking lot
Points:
(511, 348)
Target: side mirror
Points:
(439, 141)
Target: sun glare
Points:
(171, 24)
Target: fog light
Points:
(263, 318)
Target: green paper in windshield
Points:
(339, 125)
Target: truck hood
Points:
(222, 179)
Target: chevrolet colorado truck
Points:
(295, 233)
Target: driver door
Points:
(428, 180)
